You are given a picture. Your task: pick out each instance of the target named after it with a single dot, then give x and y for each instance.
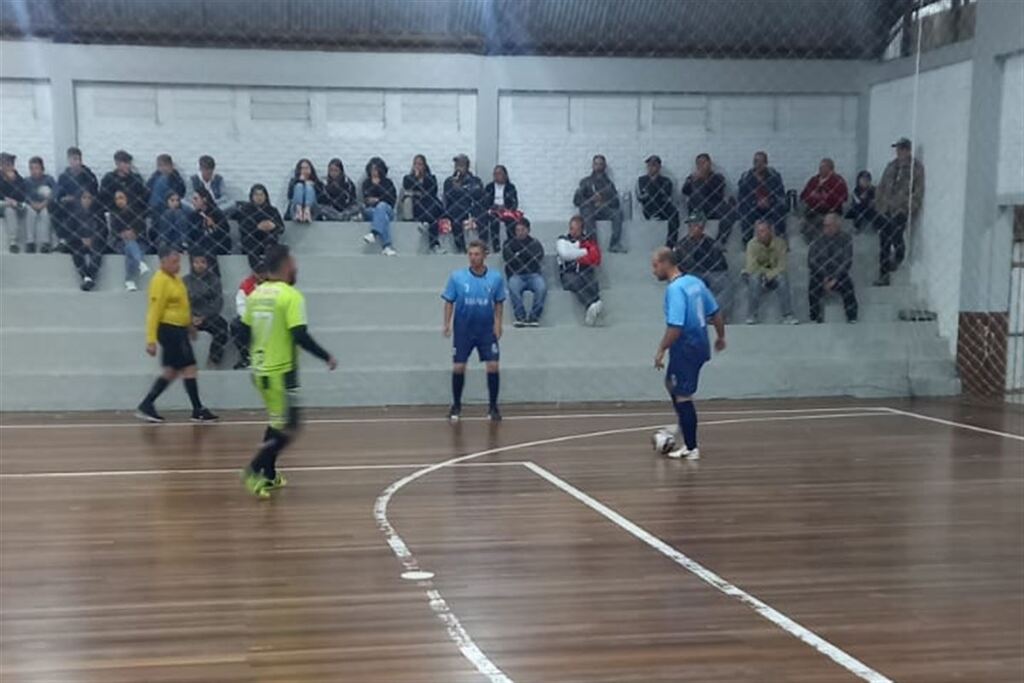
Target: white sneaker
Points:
(130, 286)
(790, 320)
(369, 238)
(388, 251)
(751, 320)
(593, 313)
(438, 249)
(684, 454)
(143, 268)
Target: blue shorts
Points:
(485, 344)
(682, 377)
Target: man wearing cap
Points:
(701, 256)
(463, 194)
(899, 197)
(12, 197)
(655, 194)
(598, 200)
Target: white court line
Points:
(951, 423)
(230, 470)
(438, 604)
(848, 662)
(388, 420)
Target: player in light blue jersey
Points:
(473, 302)
(689, 306)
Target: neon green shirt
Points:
(272, 310)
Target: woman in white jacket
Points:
(578, 258)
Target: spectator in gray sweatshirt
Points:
(206, 297)
(40, 189)
(829, 260)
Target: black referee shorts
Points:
(175, 346)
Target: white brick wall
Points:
(257, 134)
(940, 138)
(26, 129)
(547, 140)
(1011, 128)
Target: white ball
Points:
(663, 440)
(44, 191)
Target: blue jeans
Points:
(531, 282)
(380, 217)
(132, 259)
(303, 194)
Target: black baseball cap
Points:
(653, 159)
(902, 143)
(696, 217)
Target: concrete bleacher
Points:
(63, 349)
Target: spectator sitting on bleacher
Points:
(379, 199)
(124, 179)
(128, 225)
(578, 258)
(239, 332)
(12, 191)
(304, 193)
(524, 257)
(39, 192)
(765, 271)
(87, 237)
(211, 233)
(761, 196)
(163, 182)
(206, 299)
(419, 187)
(501, 201)
(463, 196)
(862, 206)
(259, 225)
(829, 261)
(212, 182)
(824, 193)
(704, 190)
(598, 200)
(76, 179)
(341, 203)
(173, 226)
(699, 255)
(654, 192)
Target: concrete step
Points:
(391, 385)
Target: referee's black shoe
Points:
(203, 415)
(147, 412)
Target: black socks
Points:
(192, 388)
(158, 388)
(687, 422)
(493, 383)
(458, 382)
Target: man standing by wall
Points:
(899, 198)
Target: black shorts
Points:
(176, 347)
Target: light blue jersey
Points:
(474, 297)
(689, 304)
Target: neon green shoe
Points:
(278, 482)
(256, 483)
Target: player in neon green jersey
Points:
(275, 323)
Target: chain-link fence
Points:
(809, 160)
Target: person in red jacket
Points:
(823, 194)
(245, 288)
(578, 258)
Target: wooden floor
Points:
(815, 542)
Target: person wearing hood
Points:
(162, 183)
(341, 203)
(173, 226)
(259, 225)
(211, 233)
(379, 199)
(463, 195)
(598, 200)
(578, 258)
(206, 299)
(12, 195)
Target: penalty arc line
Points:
(456, 632)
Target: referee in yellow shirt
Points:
(169, 322)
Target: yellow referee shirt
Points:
(168, 304)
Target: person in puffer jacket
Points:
(578, 258)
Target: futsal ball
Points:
(663, 441)
(43, 191)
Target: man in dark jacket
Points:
(655, 194)
(76, 179)
(598, 200)
(12, 196)
(762, 196)
(899, 199)
(206, 298)
(829, 260)
(124, 178)
(86, 238)
(524, 257)
(699, 255)
(463, 197)
(704, 189)
(163, 182)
